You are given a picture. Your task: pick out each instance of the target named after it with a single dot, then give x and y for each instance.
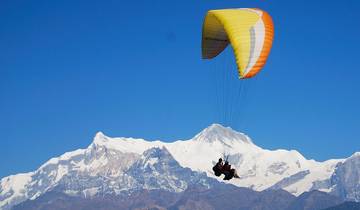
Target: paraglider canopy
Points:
(249, 31)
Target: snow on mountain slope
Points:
(258, 168)
(100, 170)
(111, 165)
(345, 181)
(14, 185)
(157, 169)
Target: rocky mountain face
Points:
(103, 171)
(314, 200)
(116, 167)
(224, 197)
(345, 181)
(348, 205)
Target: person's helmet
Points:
(220, 159)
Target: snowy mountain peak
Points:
(116, 165)
(356, 154)
(217, 132)
(100, 139)
(155, 156)
(100, 136)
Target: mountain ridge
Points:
(110, 158)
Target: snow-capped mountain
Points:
(157, 169)
(99, 170)
(258, 168)
(121, 165)
(345, 182)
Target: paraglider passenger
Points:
(229, 172)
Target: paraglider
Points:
(250, 33)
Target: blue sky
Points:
(71, 68)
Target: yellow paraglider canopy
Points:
(249, 31)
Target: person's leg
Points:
(217, 171)
(227, 174)
(231, 174)
(235, 174)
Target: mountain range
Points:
(130, 173)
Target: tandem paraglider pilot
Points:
(218, 167)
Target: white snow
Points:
(14, 184)
(65, 156)
(356, 154)
(61, 171)
(124, 144)
(200, 152)
(258, 168)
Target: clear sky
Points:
(133, 68)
